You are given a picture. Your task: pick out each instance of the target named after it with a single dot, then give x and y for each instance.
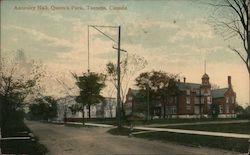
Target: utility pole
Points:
(148, 102)
(119, 79)
(200, 103)
(96, 27)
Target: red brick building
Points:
(225, 98)
(192, 100)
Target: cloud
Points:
(195, 30)
(37, 35)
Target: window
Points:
(221, 109)
(208, 107)
(197, 100)
(188, 107)
(227, 99)
(202, 100)
(188, 92)
(197, 92)
(202, 92)
(173, 110)
(188, 100)
(209, 100)
(232, 98)
(209, 92)
(227, 109)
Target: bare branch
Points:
(233, 49)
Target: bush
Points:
(243, 116)
(15, 127)
(23, 147)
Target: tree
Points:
(214, 110)
(18, 81)
(214, 86)
(247, 110)
(44, 108)
(160, 86)
(239, 109)
(130, 65)
(231, 20)
(90, 86)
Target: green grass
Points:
(243, 128)
(181, 120)
(232, 144)
(113, 121)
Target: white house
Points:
(106, 109)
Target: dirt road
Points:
(61, 140)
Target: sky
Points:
(172, 35)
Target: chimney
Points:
(229, 81)
(184, 80)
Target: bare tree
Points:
(19, 82)
(214, 86)
(231, 20)
(130, 65)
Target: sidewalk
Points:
(197, 123)
(195, 132)
(92, 124)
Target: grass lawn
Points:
(243, 128)
(182, 120)
(113, 121)
(233, 144)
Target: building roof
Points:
(205, 76)
(218, 93)
(185, 86)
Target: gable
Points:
(219, 93)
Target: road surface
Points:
(61, 140)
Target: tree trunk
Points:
(83, 121)
(248, 38)
(164, 109)
(89, 111)
(122, 110)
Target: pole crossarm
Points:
(95, 27)
(120, 49)
(107, 26)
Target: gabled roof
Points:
(185, 86)
(218, 93)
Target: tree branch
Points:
(244, 60)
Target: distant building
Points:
(100, 110)
(225, 98)
(192, 101)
